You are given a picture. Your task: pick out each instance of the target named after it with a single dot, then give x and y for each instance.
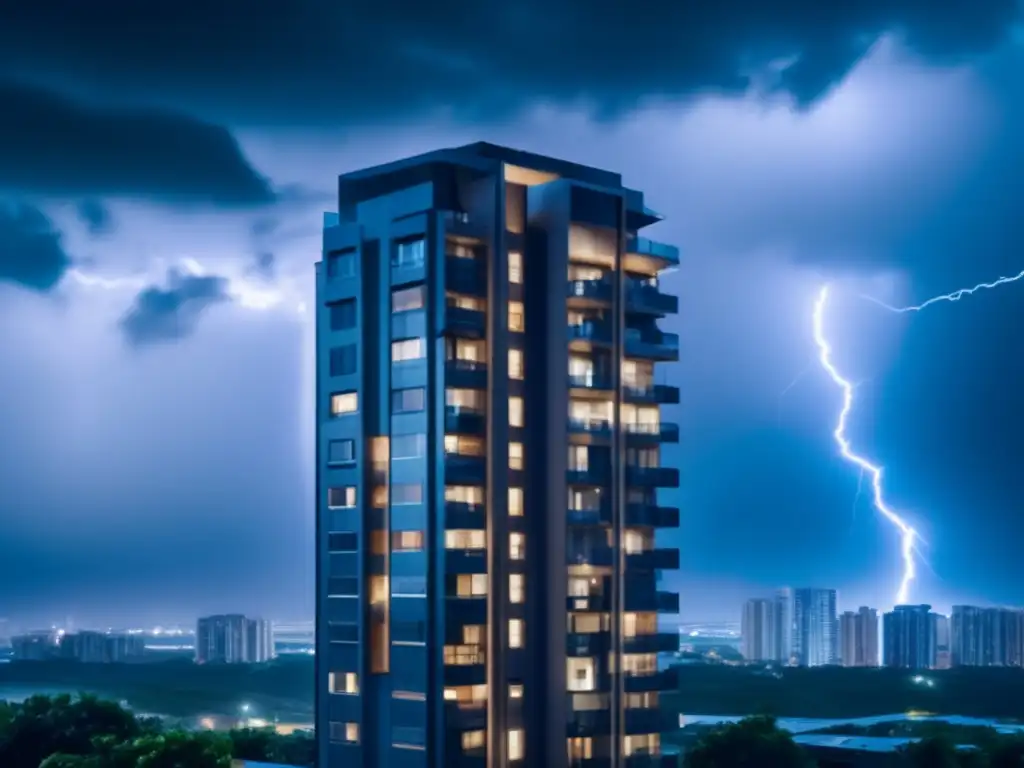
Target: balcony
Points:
(466, 374)
(461, 224)
(646, 601)
(594, 428)
(460, 515)
(598, 555)
(648, 300)
(585, 335)
(584, 293)
(653, 720)
(654, 560)
(595, 475)
(467, 276)
(466, 674)
(659, 642)
(464, 422)
(465, 561)
(656, 394)
(469, 323)
(666, 759)
(590, 603)
(666, 680)
(652, 345)
(652, 477)
(652, 516)
(588, 644)
(662, 254)
(460, 469)
(648, 432)
(591, 384)
(600, 516)
(465, 716)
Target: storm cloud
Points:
(31, 252)
(171, 312)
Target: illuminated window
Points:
(647, 700)
(379, 496)
(639, 663)
(407, 299)
(644, 743)
(579, 458)
(580, 587)
(344, 402)
(517, 546)
(515, 455)
(580, 673)
(590, 702)
(409, 254)
(341, 498)
(464, 494)
(346, 733)
(634, 624)
(470, 400)
(473, 634)
(408, 446)
(464, 655)
(589, 623)
(515, 691)
(635, 542)
(516, 628)
(516, 588)
(466, 350)
(515, 412)
(408, 400)
(465, 539)
(473, 739)
(515, 364)
(516, 748)
(516, 316)
(463, 445)
(378, 539)
(471, 585)
(407, 349)
(467, 695)
(343, 682)
(515, 267)
(406, 493)
(407, 541)
(409, 695)
(580, 748)
(515, 502)
(463, 301)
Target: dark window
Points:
(347, 541)
(343, 587)
(341, 452)
(409, 253)
(407, 299)
(343, 315)
(343, 633)
(343, 360)
(408, 585)
(408, 446)
(408, 631)
(408, 400)
(341, 264)
(413, 735)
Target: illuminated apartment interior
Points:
(490, 436)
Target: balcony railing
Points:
(644, 246)
(460, 469)
(465, 275)
(469, 374)
(465, 561)
(593, 332)
(652, 516)
(663, 432)
(652, 477)
(464, 421)
(590, 380)
(593, 427)
(659, 642)
(465, 322)
(648, 299)
(600, 516)
(595, 290)
(461, 515)
(661, 394)
(654, 560)
(652, 345)
(595, 475)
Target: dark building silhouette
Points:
(102, 647)
(908, 635)
(233, 639)
(489, 461)
(987, 637)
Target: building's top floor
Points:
(447, 167)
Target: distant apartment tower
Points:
(815, 627)
(757, 631)
(858, 638)
(986, 636)
(41, 645)
(489, 462)
(943, 641)
(233, 639)
(908, 635)
(102, 647)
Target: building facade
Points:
(758, 632)
(233, 639)
(815, 627)
(908, 633)
(489, 462)
(986, 637)
(858, 638)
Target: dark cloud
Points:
(31, 254)
(290, 62)
(264, 264)
(96, 216)
(51, 144)
(163, 314)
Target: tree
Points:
(1007, 752)
(941, 752)
(751, 743)
(266, 745)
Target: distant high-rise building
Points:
(983, 637)
(233, 639)
(91, 647)
(941, 632)
(814, 627)
(784, 625)
(36, 646)
(908, 634)
(858, 638)
(757, 630)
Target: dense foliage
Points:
(86, 732)
(752, 743)
(837, 692)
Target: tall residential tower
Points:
(489, 459)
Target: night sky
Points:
(164, 166)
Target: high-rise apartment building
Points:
(784, 625)
(766, 628)
(986, 636)
(908, 634)
(858, 638)
(814, 627)
(941, 631)
(489, 461)
(233, 639)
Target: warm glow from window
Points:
(580, 748)
(464, 494)
(515, 267)
(462, 301)
(517, 546)
(466, 694)
(515, 364)
(344, 402)
(646, 743)
(579, 458)
(463, 445)
(515, 691)
(516, 316)
(515, 455)
(580, 673)
(471, 585)
(516, 744)
(635, 542)
(465, 539)
(407, 541)
(407, 349)
(343, 682)
(407, 299)
(341, 498)
(516, 588)
(515, 502)
(473, 739)
(516, 628)
(472, 400)
(352, 732)
(515, 412)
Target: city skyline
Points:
(158, 392)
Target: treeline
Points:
(836, 692)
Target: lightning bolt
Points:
(908, 536)
(954, 296)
